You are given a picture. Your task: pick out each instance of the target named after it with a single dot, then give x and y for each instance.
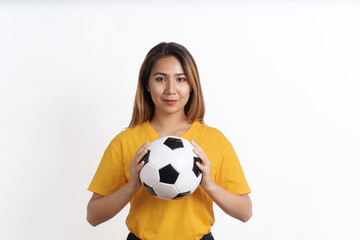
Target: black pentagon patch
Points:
(150, 189)
(146, 157)
(195, 169)
(182, 194)
(168, 174)
(174, 143)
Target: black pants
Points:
(208, 236)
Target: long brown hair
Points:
(144, 107)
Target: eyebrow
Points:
(164, 74)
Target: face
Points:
(168, 86)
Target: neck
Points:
(173, 125)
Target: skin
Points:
(167, 81)
(237, 206)
(170, 92)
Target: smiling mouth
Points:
(170, 102)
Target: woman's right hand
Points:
(136, 165)
(102, 208)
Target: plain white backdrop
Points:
(281, 80)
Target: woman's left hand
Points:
(204, 166)
(237, 206)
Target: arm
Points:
(237, 206)
(101, 209)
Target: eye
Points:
(160, 79)
(181, 79)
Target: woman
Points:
(168, 101)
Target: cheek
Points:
(157, 92)
(154, 95)
(185, 90)
(154, 90)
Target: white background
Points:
(281, 80)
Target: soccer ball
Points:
(170, 171)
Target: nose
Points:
(171, 87)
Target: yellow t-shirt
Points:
(189, 217)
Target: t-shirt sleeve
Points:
(110, 174)
(230, 174)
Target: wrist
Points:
(132, 187)
(210, 187)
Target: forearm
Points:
(101, 209)
(237, 206)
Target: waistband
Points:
(132, 236)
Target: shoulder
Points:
(132, 137)
(128, 132)
(211, 136)
(210, 131)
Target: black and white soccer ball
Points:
(170, 171)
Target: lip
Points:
(170, 101)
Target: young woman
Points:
(168, 101)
